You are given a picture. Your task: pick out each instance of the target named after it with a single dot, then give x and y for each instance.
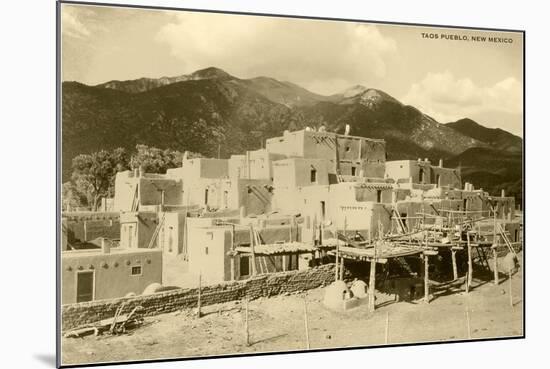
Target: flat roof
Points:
(99, 251)
(327, 133)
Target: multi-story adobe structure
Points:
(288, 200)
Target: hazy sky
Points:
(445, 78)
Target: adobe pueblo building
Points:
(307, 198)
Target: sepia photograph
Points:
(241, 184)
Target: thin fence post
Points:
(468, 323)
(199, 297)
(387, 327)
(246, 335)
(510, 288)
(306, 323)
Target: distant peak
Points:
(353, 91)
(210, 73)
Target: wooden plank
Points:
(199, 296)
(306, 324)
(372, 281)
(495, 266)
(253, 256)
(246, 335)
(453, 258)
(470, 265)
(426, 280)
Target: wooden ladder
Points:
(157, 231)
(507, 240)
(135, 201)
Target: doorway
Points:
(85, 286)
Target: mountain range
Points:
(211, 110)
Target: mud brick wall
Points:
(265, 285)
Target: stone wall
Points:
(265, 285)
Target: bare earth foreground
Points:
(277, 324)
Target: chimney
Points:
(466, 186)
(502, 193)
(441, 163)
(105, 246)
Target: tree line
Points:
(93, 175)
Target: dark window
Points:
(136, 270)
(352, 171)
(85, 286)
(206, 197)
(313, 175)
(421, 176)
(378, 195)
(206, 250)
(244, 265)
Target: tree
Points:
(93, 174)
(153, 160)
(71, 198)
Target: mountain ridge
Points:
(210, 108)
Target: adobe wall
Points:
(264, 285)
(254, 195)
(208, 254)
(150, 191)
(87, 226)
(296, 172)
(125, 190)
(112, 272)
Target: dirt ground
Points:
(277, 324)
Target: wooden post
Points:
(199, 297)
(284, 261)
(426, 280)
(495, 264)
(341, 268)
(455, 271)
(306, 323)
(470, 266)
(246, 335)
(253, 258)
(336, 256)
(232, 260)
(510, 288)
(372, 281)
(495, 243)
(468, 323)
(387, 327)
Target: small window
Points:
(206, 250)
(313, 175)
(378, 195)
(353, 171)
(136, 270)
